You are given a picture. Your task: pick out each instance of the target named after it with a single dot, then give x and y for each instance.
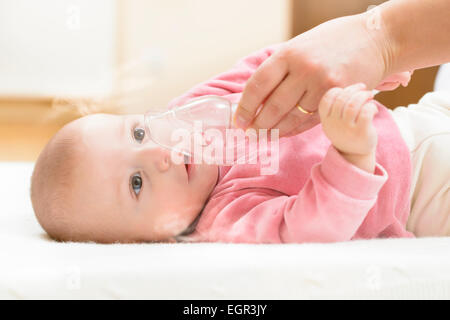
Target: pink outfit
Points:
(316, 196)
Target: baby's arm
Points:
(346, 116)
(332, 206)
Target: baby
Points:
(102, 179)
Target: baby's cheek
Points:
(172, 224)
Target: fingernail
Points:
(240, 122)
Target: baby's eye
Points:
(136, 183)
(139, 134)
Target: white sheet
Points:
(32, 266)
(443, 78)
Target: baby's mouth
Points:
(186, 161)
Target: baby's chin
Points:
(174, 219)
(202, 174)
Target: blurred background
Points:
(59, 58)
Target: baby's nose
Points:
(156, 156)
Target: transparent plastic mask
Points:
(194, 118)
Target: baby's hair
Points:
(55, 169)
(53, 174)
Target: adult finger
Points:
(292, 120)
(265, 79)
(309, 101)
(282, 100)
(305, 124)
(297, 122)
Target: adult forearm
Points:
(418, 33)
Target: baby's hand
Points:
(346, 116)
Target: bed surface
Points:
(32, 266)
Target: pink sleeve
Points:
(331, 207)
(230, 83)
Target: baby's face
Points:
(128, 187)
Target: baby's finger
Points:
(355, 103)
(326, 103)
(366, 115)
(343, 97)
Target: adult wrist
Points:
(377, 24)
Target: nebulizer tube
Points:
(186, 129)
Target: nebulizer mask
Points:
(183, 128)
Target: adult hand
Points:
(337, 53)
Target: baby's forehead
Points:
(105, 138)
(100, 155)
(92, 122)
(104, 141)
(98, 127)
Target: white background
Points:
(56, 47)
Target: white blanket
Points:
(442, 81)
(32, 266)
